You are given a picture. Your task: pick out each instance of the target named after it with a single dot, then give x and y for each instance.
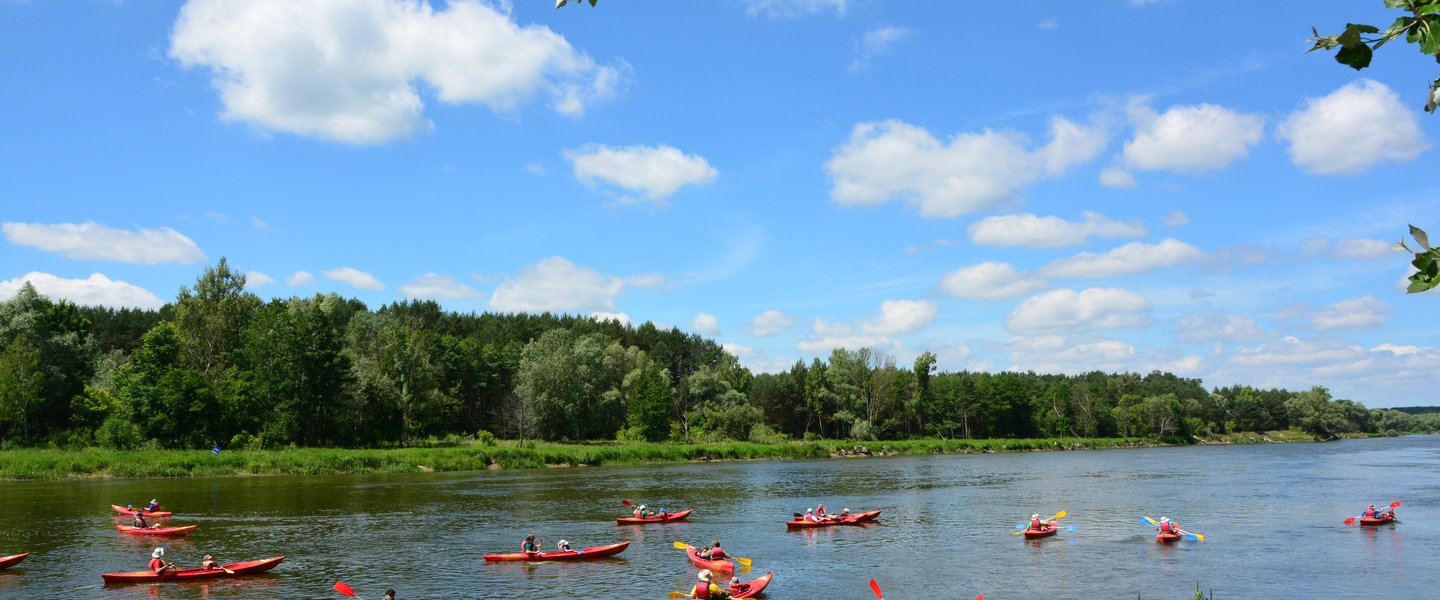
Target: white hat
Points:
(159, 552)
(1164, 518)
(706, 575)
(642, 507)
(1035, 516)
(809, 510)
(563, 543)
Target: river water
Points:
(1272, 516)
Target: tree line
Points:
(221, 366)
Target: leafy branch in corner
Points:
(1358, 43)
(560, 3)
(1427, 262)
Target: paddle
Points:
(1194, 536)
(626, 502)
(745, 562)
(1023, 526)
(1391, 508)
(875, 587)
(679, 595)
(345, 590)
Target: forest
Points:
(221, 366)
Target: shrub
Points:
(485, 438)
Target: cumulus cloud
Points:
(434, 285)
(1365, 312)
(1354, 127)
(354, 278)
(705, 323)
(1176, 219)
(92, 240)
(557, 285)
(769, 323)
(603, 316)
(1363, 249)
(300, 278)
(1355, 372)
(1088, 310)
(1201, 137)
(1031, 231)
(792, 8)
(900, 317)
(656, 172)
(1074, 356)
(1216, 328)
(1116, 177)
(256, 280)
(988, 281)
(875, 42)
(893, 160)
(352, 71)
(1135, 257)
(826, 336)
(96, 290)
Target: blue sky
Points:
(1057, 186)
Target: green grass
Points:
(97, 463)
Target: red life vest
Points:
(524, 543)
(716, 554)
(702, 590)
(1036, 524)
(1167, 527)
(1370, 512)
(156, 564)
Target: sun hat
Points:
(706, 575)
(130, 506)
(562, 543)
(159, 552)
(809, 510)
(208, 557)
(642, 507)
(1164, 518)
(1035, 516)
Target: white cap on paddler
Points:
(705, 575)
(159, 552)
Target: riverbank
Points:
(471, 456)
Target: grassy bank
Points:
(97, 463)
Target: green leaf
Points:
(1420, 236)
(1428, 9)
(1429, 40)
(1417, 286)
(1396, 3)
(1351, 36)
(1357, 56)
(1400, 246)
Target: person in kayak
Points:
(389, 595)
(154, 505)
(528, 546)
(157, 564)
(844, 513)
(139, 522)
(706, 588)
(1167, 526)
(810, 516)
(1036, 524)
(564, 546)
(209, 563)
(661, 513)
(712, 553)
(641, 513)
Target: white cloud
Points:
(259, 224)
(826, 336)
(1349, 368)
(97, 290)
(256, 280)
(1033, 231)
(300, 278)
(1363, 249)
(535, 169)
(351, 71)
(218, 217)
(433, 285)
(792, 8)
(769, 323)
(1091, 309)
(602, 316)
(1397, 350)
(1135, 257)
(705, 323)
(647, 280)
(557, 285)
(1116, 177)
(657, 172)
(988, 281)
(1356, 126)
(893, 160)
(875, 42)
(1074, 356)
(1176, 219)
(1201, 137)
(900, 317)
(91, 240)
(1216, 328)
(757, 361)
(354, 278)
(1365, 312)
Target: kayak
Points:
(1049, 530)
(586, 554)
(125, 511)
(1167, 538)
(10, 561)
(855, 519)
(705, 563)
(1377, 520)
(675, 516)
(240, 568)
(170, 531)
(752, 588)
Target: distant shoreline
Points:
(50, 464)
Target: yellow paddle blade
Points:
(743, 561)
(1059, 514)
(679, 595)
(1018, 532)
(682, 546)
(1150, 521)
(1198, 537)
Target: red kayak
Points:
(230, 570)
(752, 588)
(855, 519)
(10, 561)
(125, 511)
(721, 565)
(1047, 531)
(1167, 538)
(1388, 518)
(675, 516)
(586, 554)
(170, 531)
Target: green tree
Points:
(22, 383)
(649, 407)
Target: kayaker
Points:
(810, 516)
(139, 522)
(1166, 526)
(389, 595)
(158, 565)
(844, 513)
(640, 512)
(706, 588)
(1035, 523)
(154, 505)
(712, 553)
(209, 563)
(1371, 513)
(661, 513)
(564, 546)
(529, 546)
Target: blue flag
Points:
(215, 450)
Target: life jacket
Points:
(1167, 527)
(716, 554)
(1370, 512)
(639, 513)
(702, 590)
(153, 507)
(156, 564)
(528, 546)
(1036, 524)
(140, 521)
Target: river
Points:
(1272, 516)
